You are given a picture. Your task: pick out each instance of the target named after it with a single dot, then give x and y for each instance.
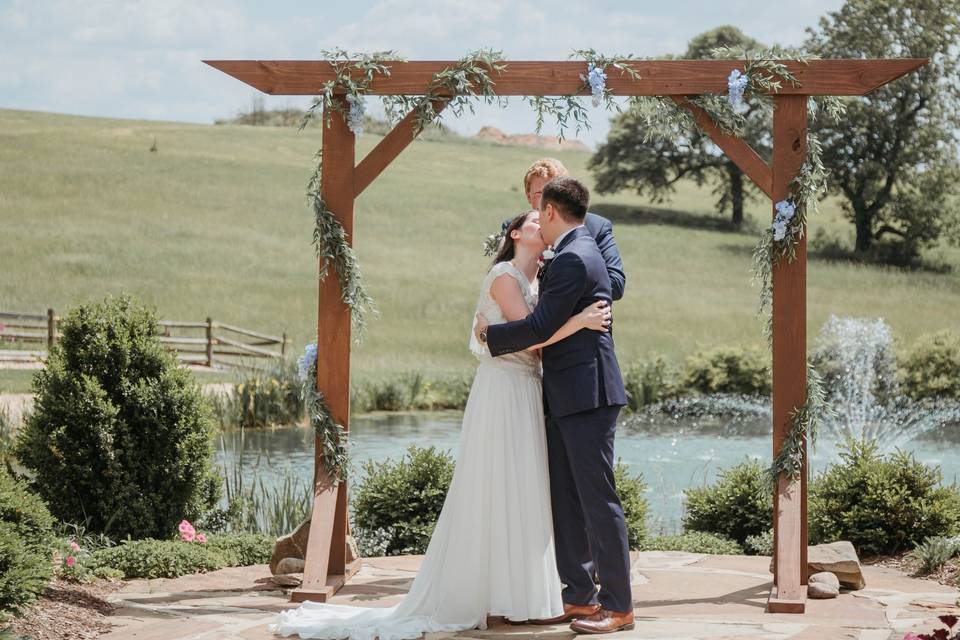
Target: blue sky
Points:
(141, 59)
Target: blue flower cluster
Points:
(598, 83)
(306, 361)
(355, 117)
(736, 84)
(785, 211)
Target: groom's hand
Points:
(481, 327)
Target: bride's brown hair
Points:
(507, 251)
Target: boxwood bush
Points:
(26, 536)
(738, 505)
(631, 489)
(932, 367)
(120, 438)
(882, 504)
(172, 558)
(400, 501)
(729, 370)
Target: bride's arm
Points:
(595, 317)
(506, 292)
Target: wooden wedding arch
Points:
(342, 181)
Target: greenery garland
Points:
(570, 108)
(331, 434)
(455, 89)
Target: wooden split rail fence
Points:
(27, 337)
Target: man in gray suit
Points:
(543, 171)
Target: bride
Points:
(491, 553)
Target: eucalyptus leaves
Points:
(332, 436)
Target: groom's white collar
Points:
(556, 243)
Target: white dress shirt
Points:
(556, 243)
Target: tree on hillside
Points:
(633, 159)
(893, 157)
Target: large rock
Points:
(290, 565)
(840, 559)
(823, 585)
(292, 545)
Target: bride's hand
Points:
(596, 317)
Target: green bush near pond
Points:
(120, 438)
(263, 397)
(931, 368)
(737, 506)
(882, 504)
(728, 369)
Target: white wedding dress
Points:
(492, 550)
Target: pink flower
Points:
(202, 539)
(71, 561)
(188, 536)
(185, 526)
(74, 546)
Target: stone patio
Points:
(676, 595)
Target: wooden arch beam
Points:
(739, 152)
(526, 78)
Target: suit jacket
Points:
(602, 232)
(580, 372)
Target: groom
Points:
(584, 393)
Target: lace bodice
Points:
(489, 308)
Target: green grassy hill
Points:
(215, 224)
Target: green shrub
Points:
(693, 542)
(172, 558)
(728, 370)
(120, 438)
(760, 545)
(738, 505)
(243, 549)
(158, 558)
(882, 505)
(933, 553)
(648, 382)
(631, 489)
(932, 367)
(262, 398)
(23, 571)
(26, 535)
(411, 391)
(403, 498)
(26, 514)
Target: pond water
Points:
(672, 454)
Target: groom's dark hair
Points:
(568, 196)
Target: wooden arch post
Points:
(341, 181)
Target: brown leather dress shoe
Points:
(571, 612)
(604, 621)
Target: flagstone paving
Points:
(677, 596)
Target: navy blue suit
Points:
(602, 232)
(583, 392)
